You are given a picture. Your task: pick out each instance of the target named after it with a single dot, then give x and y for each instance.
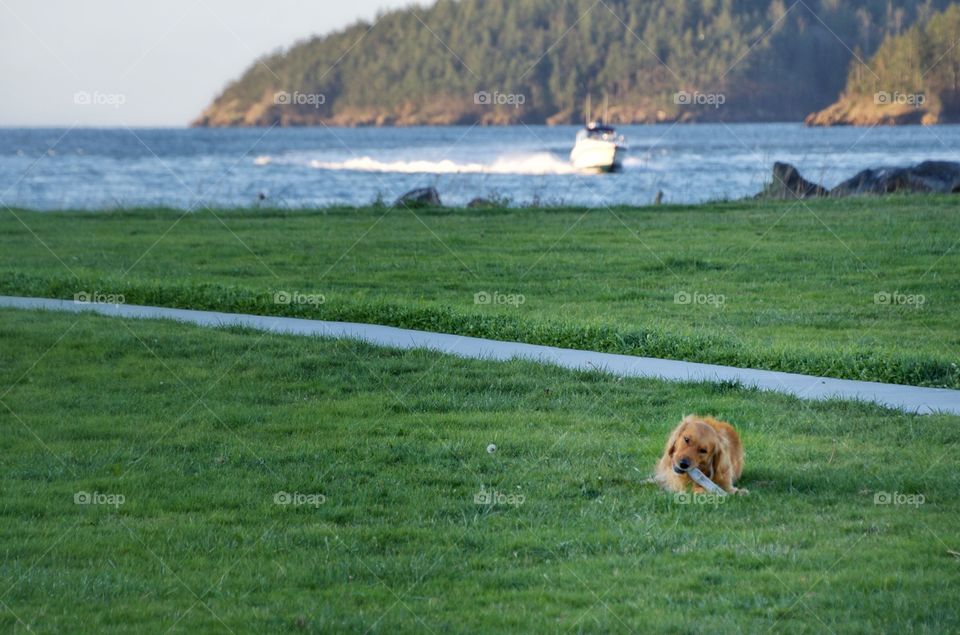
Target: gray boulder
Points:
(421, 197)
(929, 177)
(787, 183)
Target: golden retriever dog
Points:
(702, 442)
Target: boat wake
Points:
(542, 163)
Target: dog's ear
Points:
(721, 466)
(672, 441)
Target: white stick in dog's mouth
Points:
(704, 481)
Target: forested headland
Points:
(537, 61)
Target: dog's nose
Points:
(684, 463)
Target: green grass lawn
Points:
(199, 430)
(783, 285)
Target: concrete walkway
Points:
(907, 398)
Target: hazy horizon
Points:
(57, 56)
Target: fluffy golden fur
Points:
(703, 442)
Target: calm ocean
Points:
(99, 169)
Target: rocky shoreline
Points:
(227, 113)
(929, 177)
(848, 111)
(865, 111)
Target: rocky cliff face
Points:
(859, 110)
(229, 112)
(266, 111)
(914, 78)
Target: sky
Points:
(141, 62)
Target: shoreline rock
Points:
(787, 183)
(421, 197)
(929, 177)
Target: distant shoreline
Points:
(189, 126)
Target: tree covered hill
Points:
(536, 61)
(912, 78)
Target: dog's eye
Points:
(686, 439)
(703, 450)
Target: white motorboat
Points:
(598, 149)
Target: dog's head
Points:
(694, 443)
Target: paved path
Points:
(908, 398)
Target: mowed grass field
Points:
(863, 289)
(160, 477)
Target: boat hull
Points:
(591, 155)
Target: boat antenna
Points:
(589, 108)
(606, 103)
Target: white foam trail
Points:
(535, 164)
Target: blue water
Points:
(189, 169)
